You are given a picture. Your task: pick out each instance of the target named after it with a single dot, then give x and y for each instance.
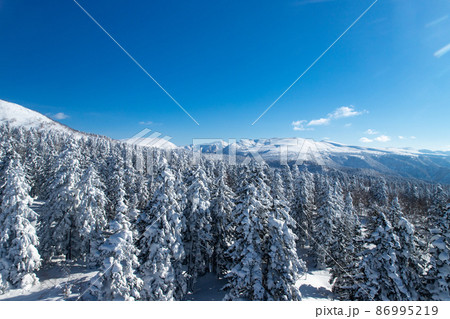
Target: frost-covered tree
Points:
(329, 208)
(90, 213)
(283, 264)
(250, 216)
(198, 237)
(302, 207)
(345, 250)
(439, 270)
(378, 275)
(120, 263)
(288, 184)
(57, 230)
(19, 257)
(222, 204)
(379, 194)
(162, 250)
(410, 262)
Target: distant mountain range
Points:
(427, 165)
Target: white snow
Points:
(52, 283)
(19, 116)
(152, 142)
(315, 285)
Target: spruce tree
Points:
(58, 232)
(120, 263)
(162, 250)
(246, 277)
(345, 250)
(222, 204)
(283, 264)
(439, 270)
(90, 213)
(198, 238)
(378, 274)
(19, 257)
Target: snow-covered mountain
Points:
(423, 164)
(19, 116)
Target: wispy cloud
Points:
(371, 132)
(322, 121)
(365, 140)
(145, 122)
(345, 111)
(348, 125)
(442, 51)
(58, 116)
(300, 126)
(401, 137)
(341, 112)
(382, 138)
(437, 21)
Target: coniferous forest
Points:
(152, 222)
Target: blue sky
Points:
(227, 61)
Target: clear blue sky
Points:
(226, 61)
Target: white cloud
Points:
(348, 125)
(341, 112)
(371, 132)
(412, 137)
(401, 137)
(322, 121)
(382, 138)
(59, 116)
(146, 123)
(442, 51)
(365, 140)
(300, 126)
(344, 111)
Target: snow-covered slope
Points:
(16, 115)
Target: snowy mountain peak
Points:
(19, 116)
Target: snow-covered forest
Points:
(153, 222)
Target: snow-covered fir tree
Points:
(284, 267)
(222, 204)
(410, 262)
(90, 213)
(302, 206)
(58, 232)
(439, 269)
(162, 251)
(377, 275)
(198, 238)
(246, 277)
(329, 208)
(19, 257)
(345, 250)
(118, 279)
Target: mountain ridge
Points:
(422, 164)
